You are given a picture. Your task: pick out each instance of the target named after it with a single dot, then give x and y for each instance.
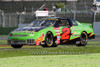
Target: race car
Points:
(51, 32)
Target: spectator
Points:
(45, 9)
(94, 8)
(54, 8)
(58, 10)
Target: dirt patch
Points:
(5, 46)
(10, 45)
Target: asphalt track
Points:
(3, 37)
(18, 48)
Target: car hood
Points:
(29, 29)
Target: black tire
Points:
(54, 45)
(83, 39)
(16, 46)
(49, 40)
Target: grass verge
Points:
(38, 50)
(90, 60)
(3, 42)
(91, 47)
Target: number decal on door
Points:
(65, 33)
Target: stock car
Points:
(51, 32)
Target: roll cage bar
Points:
(70, 20)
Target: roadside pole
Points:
(74, 6)
(3, 17)
(94, 16)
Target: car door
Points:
(75, 30)
(65, 33)
(65, 29)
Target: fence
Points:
(79, 10)
(13, 19)
(13, 6)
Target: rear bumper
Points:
(21, 42)
(92, 37)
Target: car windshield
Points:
(38, 23)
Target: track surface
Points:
(3, 37)
(18, 49)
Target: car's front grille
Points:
(30, 41)
(20, 35)
(16, 42)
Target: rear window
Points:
(74, 23)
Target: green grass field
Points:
(3, 42)
(61, 56)
(86, 60)
(91, 47)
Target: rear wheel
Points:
(83, 39)
(16, 46)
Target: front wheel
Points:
(16, 46)
(83, 39)
(49, 40)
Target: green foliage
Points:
(66, 5)
(6, 30)
(60, 5)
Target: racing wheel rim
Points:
(83, 39)
(49, 39)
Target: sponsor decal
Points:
(80, 28)
(31, 34)
(37, 42)
(58, 37)
(28, 29)
(42, 42)
(57, 31)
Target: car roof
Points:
(51, 18)
(59, 18)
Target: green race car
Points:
(51, 32)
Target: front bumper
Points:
(21, 42)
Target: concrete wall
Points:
(96, 27)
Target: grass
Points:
(86, 60)
(3, 42)
(93, 43)
(61, 56)
(60, 50)
(91, 47)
